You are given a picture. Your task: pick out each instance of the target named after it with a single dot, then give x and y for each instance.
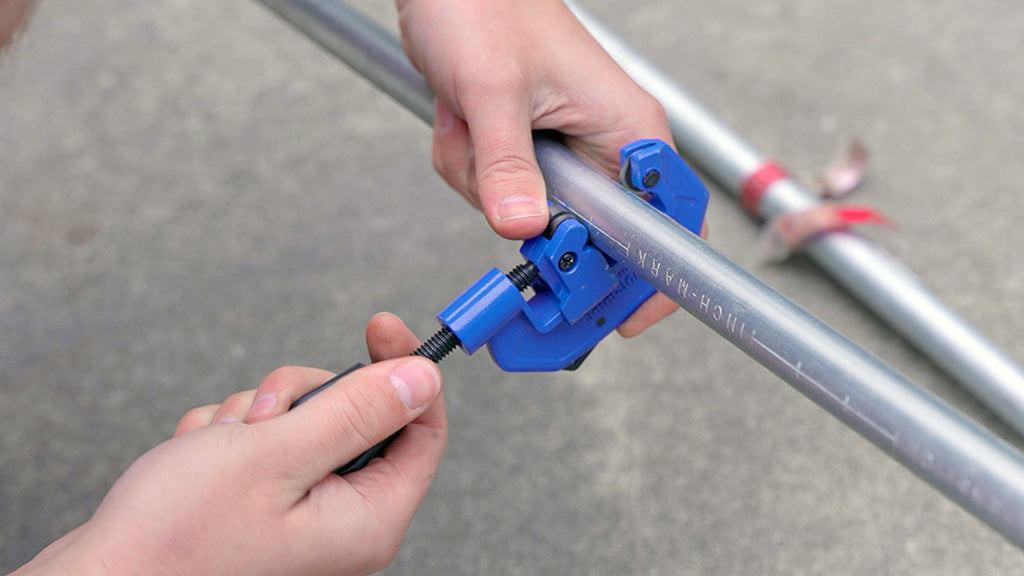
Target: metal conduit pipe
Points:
(983, 474)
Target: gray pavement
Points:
(191, 195)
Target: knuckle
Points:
(237, 400)
(281, 378)
(508, 168)
(194, 418)
(649, 107)
(292, 381)
(501, 78)
(194, 413)
(510, 163)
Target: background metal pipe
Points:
(363, 45)
(867, 271)
(978, 471)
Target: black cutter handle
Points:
(359, 462)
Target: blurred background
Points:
(192, 194)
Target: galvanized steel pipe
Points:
(973, 468)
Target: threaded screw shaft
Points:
(523, 275)
(439, 345)
(444, 340)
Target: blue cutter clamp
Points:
(580, 294)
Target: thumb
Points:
(350, 416)
(509, 182)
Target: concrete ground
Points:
(191, 195)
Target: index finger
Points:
(281, 388)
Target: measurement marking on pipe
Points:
(669, 280)
(599, 236)
(845, 401)
(713, 312)
(624, 248)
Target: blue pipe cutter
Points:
(580, 293)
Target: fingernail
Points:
(417, 384)
(517, 206)
(263, 405)
(228, 419)
(443, 117)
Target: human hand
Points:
(245, 487)
(501, 70)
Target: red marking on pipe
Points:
(789, 233)
(755, 186)
(850, 215)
